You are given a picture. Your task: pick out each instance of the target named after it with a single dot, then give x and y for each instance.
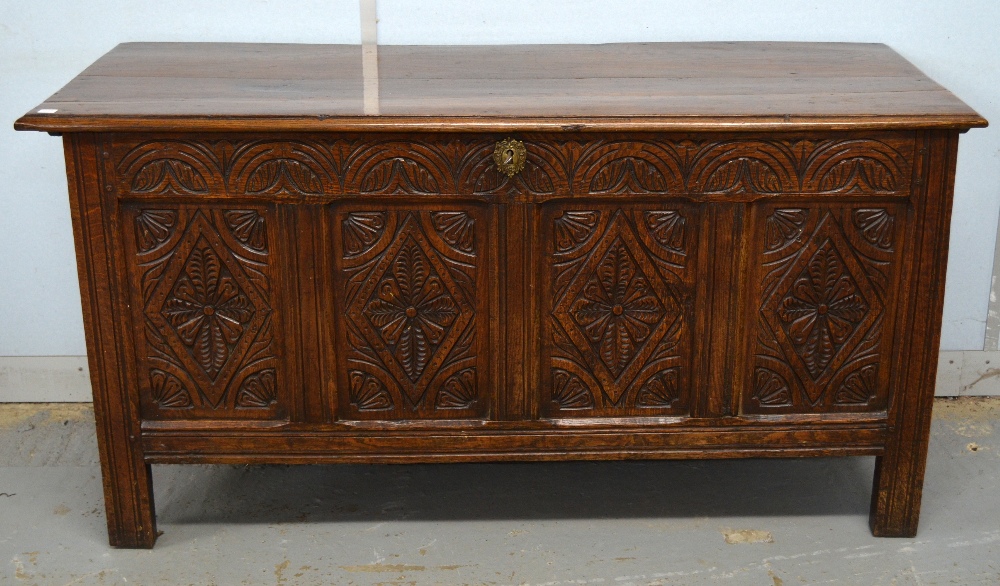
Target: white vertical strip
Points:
(993, 313)
(369, 56)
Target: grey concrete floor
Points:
(771, 522)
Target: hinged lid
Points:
(654, 86)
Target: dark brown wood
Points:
(654, 86)
(268, 276)
(128, 483)
(899, 472)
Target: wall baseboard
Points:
(44, 379)
(54, 379)
(965, 373)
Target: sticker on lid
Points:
(48, 110)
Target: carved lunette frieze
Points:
(319, 166)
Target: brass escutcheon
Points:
(509, 156)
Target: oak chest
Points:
(703, 250)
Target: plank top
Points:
(648, 86)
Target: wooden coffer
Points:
(272, 287)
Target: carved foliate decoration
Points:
(411, 309)
(822, 310)
(207, 309)
(410, 280)
(205, 293)
(548, 165)
(617, 311)
(827, 278)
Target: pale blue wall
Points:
(43, 45)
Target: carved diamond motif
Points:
(207, 309)
(410, 311)
(820, 310)
(617, 308)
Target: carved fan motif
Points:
(859, 387)
(168, 391)
(667, 228)
(569, 392)
(367, 393)
(877, 226)
(456, 228)
(783, 227)
(459, 391)
(572, 228)
(259, 390)
(660, 390)
(361, 230)
(153, 228)
(248, 227)
(770, 388)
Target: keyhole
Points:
(510, 156)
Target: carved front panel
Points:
(618, 290)
(413, 288)
(204, 298)
(822, 316)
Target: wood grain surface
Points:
(692, 86)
